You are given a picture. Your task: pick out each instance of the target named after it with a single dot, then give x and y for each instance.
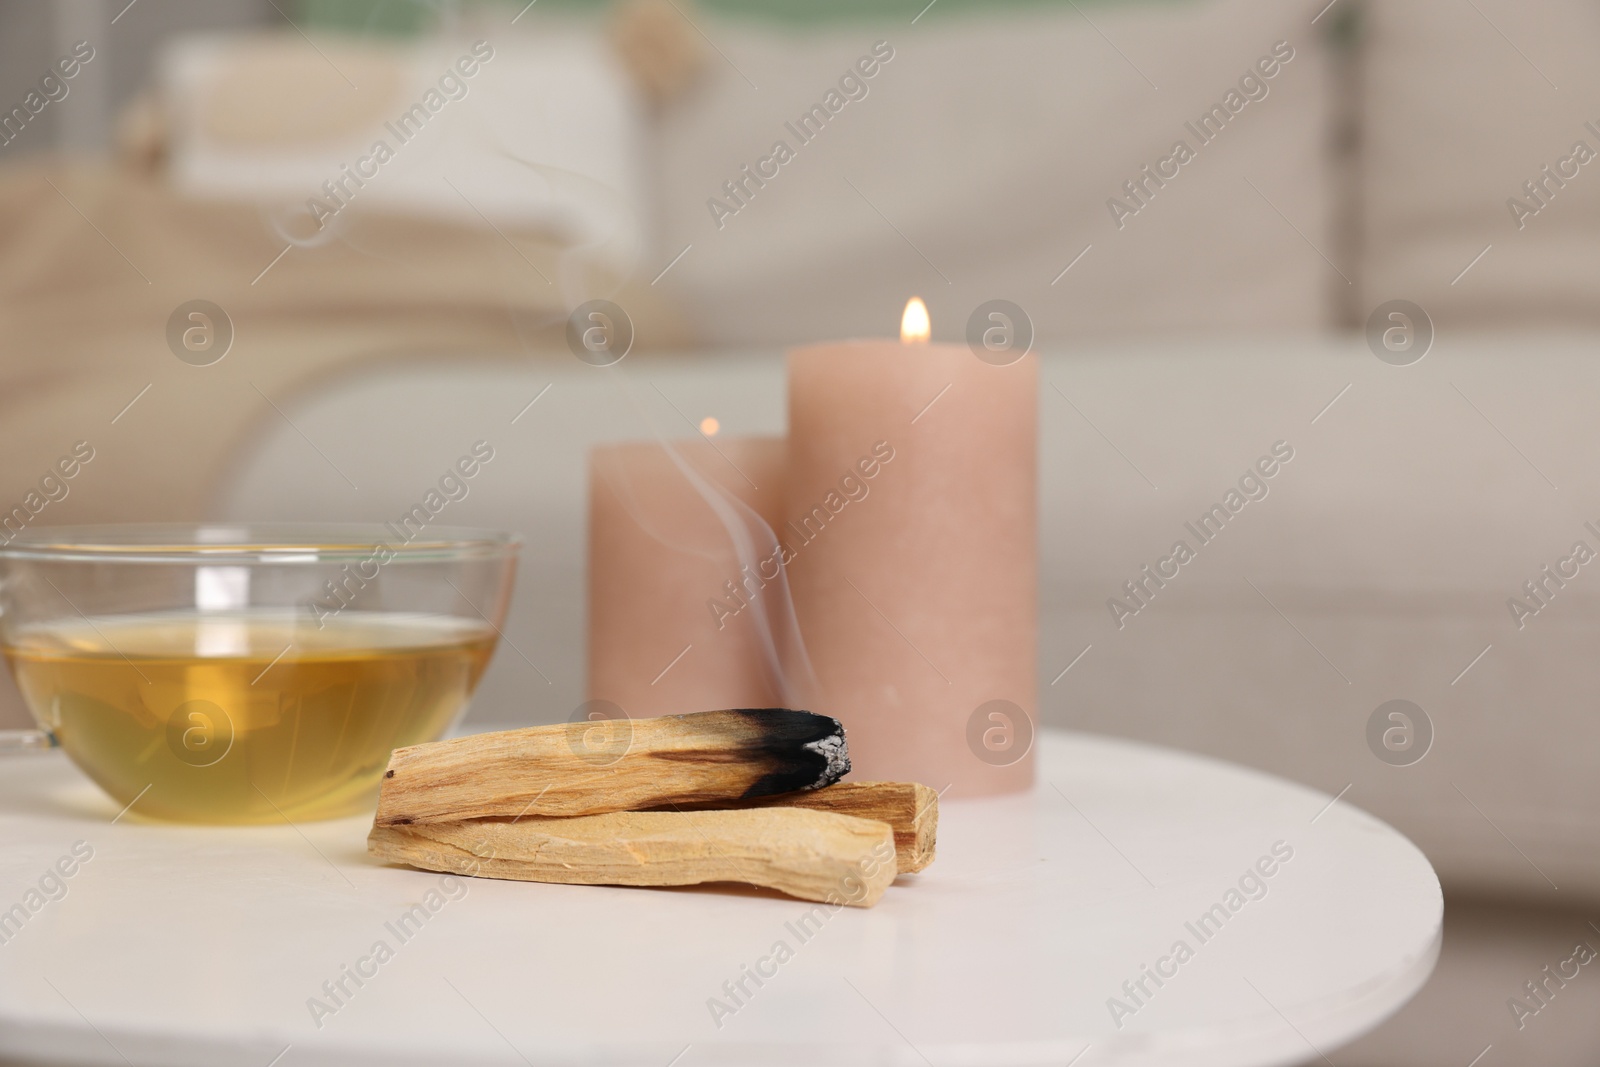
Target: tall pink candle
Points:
(911, 507)
(666, 636)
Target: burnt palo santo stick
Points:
(813, 855)
(588, 768)
(910, 808)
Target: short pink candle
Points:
(666, 633)
(911, 507)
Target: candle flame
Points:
(709, 426)
(914, 325)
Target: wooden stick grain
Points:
(589, 768)
(910, 808)
(813, 855)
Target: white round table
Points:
(1039, 936)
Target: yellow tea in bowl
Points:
(249, 716)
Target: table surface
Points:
(205, 946)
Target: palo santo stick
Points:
(813, 855)
(586, 768)
(910, 809)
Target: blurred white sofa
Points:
(981, 160)
(1467, 108)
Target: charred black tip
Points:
(805, 750)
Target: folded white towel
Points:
(517, 133)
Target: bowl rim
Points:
(254, 542)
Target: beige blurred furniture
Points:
(979, 164)
(1462, 106)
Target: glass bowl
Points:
(251, 673)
